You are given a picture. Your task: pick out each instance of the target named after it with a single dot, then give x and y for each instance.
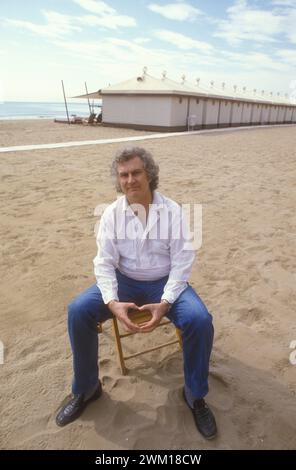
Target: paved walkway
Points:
(22, 148)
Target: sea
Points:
(38, 110)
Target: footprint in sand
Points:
(251, 316)
(172, 367)
(121, 389)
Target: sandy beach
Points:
(244, 272)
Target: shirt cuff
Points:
(108, 296)
(171, 295)
(168, 298)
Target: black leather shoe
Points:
(75, 406)
(204, 418)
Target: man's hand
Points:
(120, 311)
(157, 311)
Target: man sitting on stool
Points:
(144, 261)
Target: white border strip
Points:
(23, 148)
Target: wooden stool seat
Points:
(138, 318)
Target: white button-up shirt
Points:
(160, 249)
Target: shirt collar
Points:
(157, 201)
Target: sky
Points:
(248, 43)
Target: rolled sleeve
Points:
(182, 256)
(106, 261)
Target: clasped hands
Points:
(121, 309)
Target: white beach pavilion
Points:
(149, 103)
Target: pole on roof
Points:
(65, 102)
(90, 111)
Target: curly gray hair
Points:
(151, 168)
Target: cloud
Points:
(181, 41)
(255, 61)
(285, 3)
(288, 56)
(248, 23)
(101, 8)
(289, 23)
(110, 51)
(57, 25)
(105, 15)
(128, 57)
(107, 21)
(176, 11)
(119, 59)
(142, 40)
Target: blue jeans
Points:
(188, 313)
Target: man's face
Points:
(133, 179)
